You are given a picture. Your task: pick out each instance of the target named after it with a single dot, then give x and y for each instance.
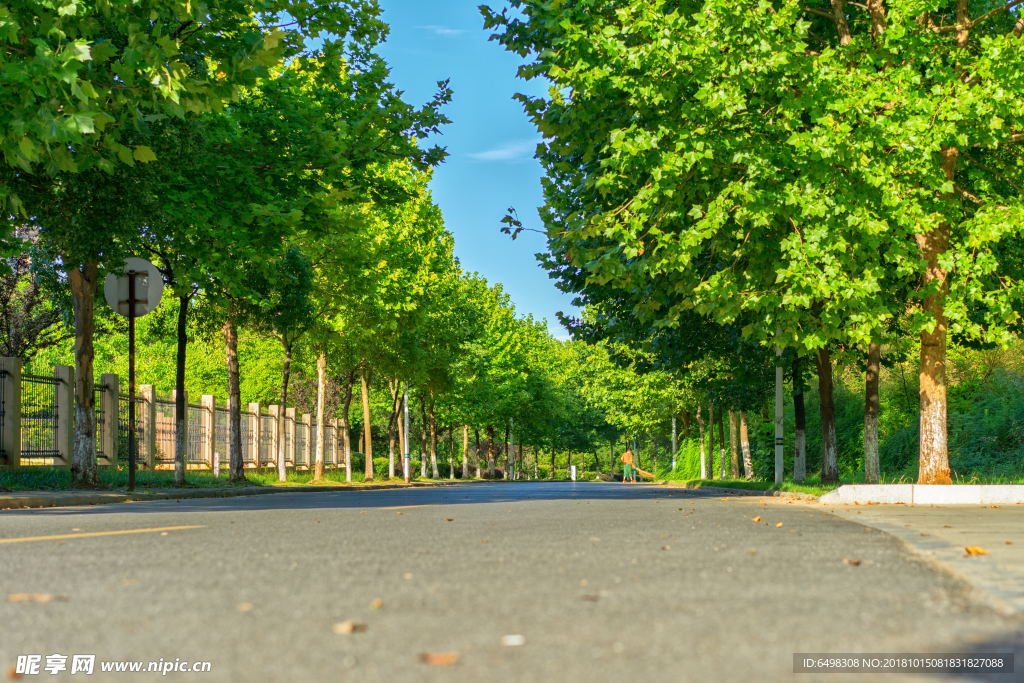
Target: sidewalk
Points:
(45, 499)
(941, 533)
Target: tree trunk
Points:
(423, 437)
(829, 457)
(237, 462)
(321, 421)
(84, 468)
(180, 399)
(871, 405)
(401, 429)
(933, 465)
(551, 471)
(465, 451)
(703, 460)
(734, 461)
(365, 379)
(748, 465)
(346, 431)
(282, 459)
(800, 426)
(451, 451)
(433, 442)
(686, 424)
(721, 445)
(394, 424)
(476, 452)
(490, 451)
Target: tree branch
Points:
(819, 12)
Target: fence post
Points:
(209, 423)
(289, 441)
(10, 412)
(148, 419)
(307, 426)
(332, 434)
(254, 430)
(111, 412)
(65, 392)
(275, 412)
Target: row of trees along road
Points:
(282, 194)
(807, 176)
(207, 136)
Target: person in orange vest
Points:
(628, 473)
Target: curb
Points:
(925, 494)
(745, 492)
(34, 499)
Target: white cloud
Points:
(520, 150)
(444, 31)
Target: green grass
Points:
(57, 479)
(812, 486)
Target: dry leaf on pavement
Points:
(439, 658)
(855, 563)
(779, 525)
(975, 550)
(34, 597)
(756, 519)
(347, 627)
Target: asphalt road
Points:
(604, 582)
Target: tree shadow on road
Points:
(340, 498)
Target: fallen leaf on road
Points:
(855, 563)
(34, 597)
(439, 658)
(924, 534)
(590, 598)
(995, 506)
(666, 547)
(752, 552)
(724, 499)
(449, 519)
(595, 539)
(756, 519)
(779, 525)
(13, 674)
(975, 550)
(583, 582)
(245, 607)
(399, 513)
(377, 604)
(343, 628)
(484, 541)
(946, 526)
(516, 640)
(1009, 543)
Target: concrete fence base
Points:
(925, 494)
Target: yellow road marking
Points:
(406, 507)
(99, 533)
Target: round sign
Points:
(149, 287)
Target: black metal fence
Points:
(39, 416)
(123, 424)
(3, 391)
(196, 434)
(101, 418)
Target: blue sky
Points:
(490, 143)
